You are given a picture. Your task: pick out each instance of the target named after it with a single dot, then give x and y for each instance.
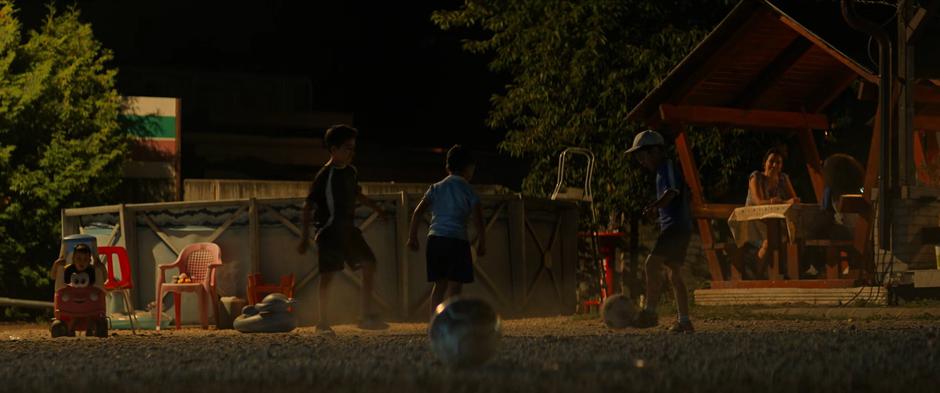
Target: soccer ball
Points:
(618, 312)
(464, 332)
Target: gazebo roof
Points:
(762, 58)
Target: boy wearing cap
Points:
(675, 224)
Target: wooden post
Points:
(793, 259)
(569, 257)
(402, 227)
(633, 281)
(863, 227)
(254, 235)
(736, 259)
(813, 162)
(129, 234)
(906, 81)
(690, 172)
(773, 248)
(517, 251)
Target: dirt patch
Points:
(537, 355)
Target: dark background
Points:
(410, 88)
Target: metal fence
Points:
(529, 268)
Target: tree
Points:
(576, 69)
(61, 144)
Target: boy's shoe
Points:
(646, 319)
(325, 330)
(372, 322)
(682, 327)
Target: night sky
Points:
(408, 84)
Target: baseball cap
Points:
(646, 138)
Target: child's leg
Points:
(438, 292)
(324, 300)
(654, 275)
(678, 287)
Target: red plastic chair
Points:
(116, 261)
(257, 290)
(199, 262)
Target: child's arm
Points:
(662, 202)
(481, 230)
(413, 227)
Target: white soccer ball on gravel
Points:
(618, 311)
(465, 332)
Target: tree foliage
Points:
(575, 69)
(60, 142)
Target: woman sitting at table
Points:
(768, 187)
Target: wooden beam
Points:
(825, 95)
(689, 168)
(923, 94)
(927, 122)
(254, 235)
(926, 94)
(835, 53)
(690, 172)
(839, 283)
(813, 162)
(711, 115)
(719, 57)
(915, 28)
(715, 211)
(772, 72)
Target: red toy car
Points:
(79, 308)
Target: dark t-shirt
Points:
(677, 214)
(333, 197)
(70, 270)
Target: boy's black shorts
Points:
(672, 244)
(338, 245)
(449, 259)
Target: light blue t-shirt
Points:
(452, 200)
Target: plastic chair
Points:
(199, 262)
(257, 290)
(120, 282)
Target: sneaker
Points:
(372, 322)
(646, 319)
(325, 330)
(682, 327)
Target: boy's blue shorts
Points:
(449, 259)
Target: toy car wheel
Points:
(101, 327)
(59, 329)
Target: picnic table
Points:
(754, 224)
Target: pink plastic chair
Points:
(116, 260)
(199, 262)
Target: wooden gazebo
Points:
(764, 71)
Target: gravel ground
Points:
(560, 354)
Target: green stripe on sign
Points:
(151, 126)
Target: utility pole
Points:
(904, 170)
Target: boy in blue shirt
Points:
(675, 225)
(449, 261)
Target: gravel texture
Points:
(560, 354)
